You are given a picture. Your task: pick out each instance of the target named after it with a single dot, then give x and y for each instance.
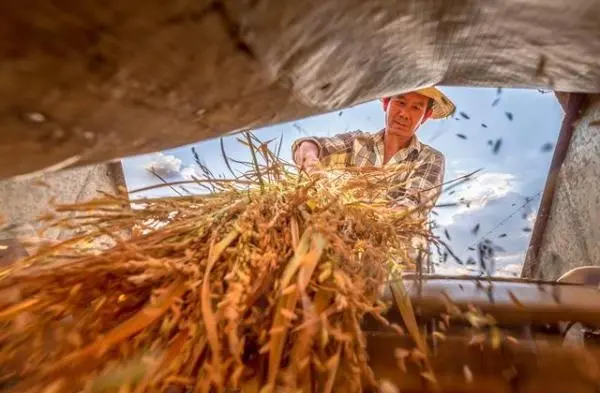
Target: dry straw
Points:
(258, 286)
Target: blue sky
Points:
(515, 172)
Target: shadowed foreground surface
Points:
(83, 82)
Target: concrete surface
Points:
(89, 81)
(22, 201)
(572, 237)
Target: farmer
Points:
(397, 143)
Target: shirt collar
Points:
(415, 144)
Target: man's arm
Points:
(307, 152)
(424, 185)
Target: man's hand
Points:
(307, 157)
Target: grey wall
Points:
(22, 201)
(572, 236)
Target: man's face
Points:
(405, 113)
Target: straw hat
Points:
(442, 105)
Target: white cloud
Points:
(506, 265)
(194, 173)
(512, 270)
(191, 173)
(164, 165)
(509, 265)
(486, 187)
(507, 259)
(452, 269)
(531, 216)
(445, 217)
(478, 192)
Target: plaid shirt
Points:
(422, 182)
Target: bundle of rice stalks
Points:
(259, 285)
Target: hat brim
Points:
(443, 107)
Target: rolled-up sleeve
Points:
(299, 141)
(338, 144)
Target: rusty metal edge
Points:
(520, 366)
(515, 302)
(117, 173)
(573, 104)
